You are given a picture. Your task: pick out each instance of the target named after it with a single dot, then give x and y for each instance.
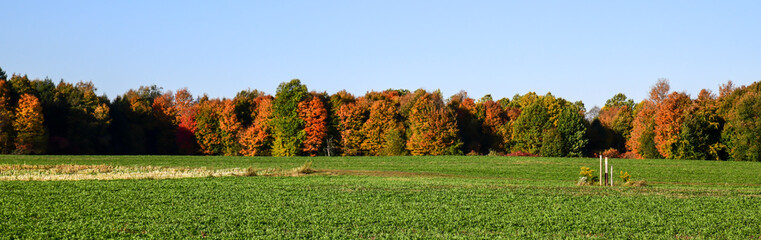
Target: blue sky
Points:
(578, 50)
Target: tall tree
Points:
(28, 125)
(468, 123)
(315, 117)
(572, 130)
(529, 128)
(433, 128)
(185, 119)
(700, 136)
(668, 123)
(352, 116)
(229, 126)
(207, 123)
(256, 140)
(287, 127)
(6, 118)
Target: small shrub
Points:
(625, 176)
(611, 153)
(588, 177)
(629, 155)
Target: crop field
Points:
(373, 198)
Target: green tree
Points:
(572, 130)
(287, 127)
(552, 143)
(529, 128)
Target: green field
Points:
(388, 197)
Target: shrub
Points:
(611, 153)
(520, 154)
(588, 177)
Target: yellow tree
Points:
(30, 133)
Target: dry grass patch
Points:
(23, 172)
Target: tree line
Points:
(40, 117)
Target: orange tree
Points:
(256, 140)
(315, 117)
(28, 125)
(433, 128)
(668, 122)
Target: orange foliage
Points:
(380, 121)
(668, 122)
(163, 108)
(256, 138)
(6, 117)
(494, 124)
(28, 125)
(434, 129)
(185, 119)
(229, 127)
(315, 117)
(351, 119)
(642, 121)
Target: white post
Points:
(601, 170)
(611, 174)
(606, 171)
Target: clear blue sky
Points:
(578, 50)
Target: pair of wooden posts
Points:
(606, 178)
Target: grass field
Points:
(387, 197)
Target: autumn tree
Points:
(185, 119)
(743, 128)
(229, 126)
(208, 129)
(668, 122)
(700, 135)
(494, 126)
(287, 127)
(315, 116)
(352, 116)
(28, 125)
(641, 140)
(6, 118)
(256, 140)
(433, 128)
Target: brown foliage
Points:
(315, 117)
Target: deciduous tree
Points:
(28, 125)
(287, 127)
(315, 117)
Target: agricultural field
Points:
(373, 197)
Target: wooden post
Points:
(602, 183)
